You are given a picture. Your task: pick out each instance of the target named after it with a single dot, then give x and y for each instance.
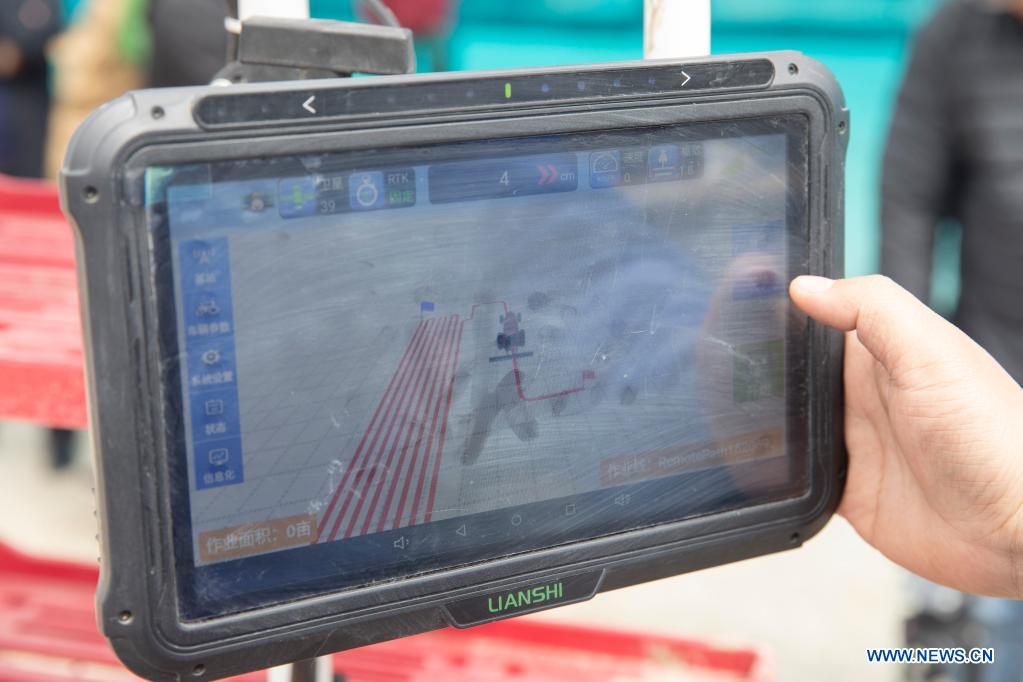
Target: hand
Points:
(934, 430)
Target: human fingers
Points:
(891, 323)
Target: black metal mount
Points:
(275, 49)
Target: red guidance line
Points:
(449, 373)
(385, 399)
(443, 378)
(397, 399)
(412, 416)
(404, 414)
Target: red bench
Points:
(40, 333)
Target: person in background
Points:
(99, 57)
(25, 28)
(119, 45)
(955, 152)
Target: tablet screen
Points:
(395, 360)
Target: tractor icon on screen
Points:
(511, 337)
(207, 308)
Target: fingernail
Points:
(812, 284)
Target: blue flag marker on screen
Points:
(425, 307)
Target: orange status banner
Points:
(257, 538)
(656, 463)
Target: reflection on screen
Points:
(481, 341)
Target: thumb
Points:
(897, 329)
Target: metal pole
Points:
(291, 9)
(307, 670)
(676, 28)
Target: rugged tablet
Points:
(369, 357)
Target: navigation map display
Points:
(389, 361)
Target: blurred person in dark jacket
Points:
(25, 28)
(955, 152)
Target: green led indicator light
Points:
(507, 90)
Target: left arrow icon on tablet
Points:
(308, 104)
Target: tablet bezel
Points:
(103, 192)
